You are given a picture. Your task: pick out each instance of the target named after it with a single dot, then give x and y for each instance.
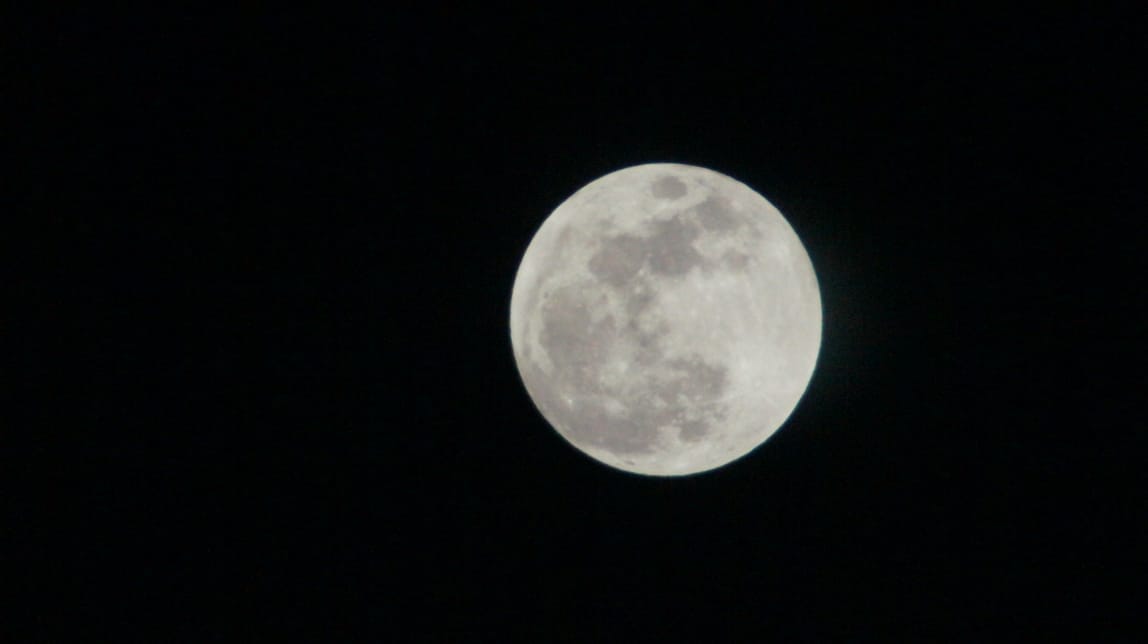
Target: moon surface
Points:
(665, 319)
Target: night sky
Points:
(260, 378)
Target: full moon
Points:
(665, 319)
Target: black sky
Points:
(261, 378)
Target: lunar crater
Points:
(717, 215)
(618, 259)
(668, 187)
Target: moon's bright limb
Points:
(665, 319)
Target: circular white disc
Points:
(665, 319)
